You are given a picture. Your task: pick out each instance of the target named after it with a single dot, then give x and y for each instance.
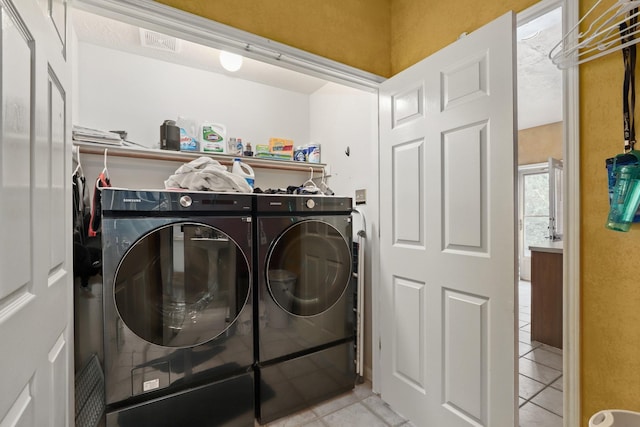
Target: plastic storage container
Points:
(300, 153)
(243, 170)
(188, 132)
(615, 418)
(213, 138)
(313, 153)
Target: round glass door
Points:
(181, 285)
(308, 268)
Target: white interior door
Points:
(447, 234)
(36, 312)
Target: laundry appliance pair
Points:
(221, 307)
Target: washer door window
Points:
(181, 285)
(308, 268)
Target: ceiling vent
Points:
(159, 41)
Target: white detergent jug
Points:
(213, 138)
(243, 170)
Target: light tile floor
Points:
(360, 407)
(540, 392)
(540, 373)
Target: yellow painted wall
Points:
(420, 28)
(387, 36)
(354, 32)
(537, 144)
(610, 366)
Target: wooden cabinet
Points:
(546, 297)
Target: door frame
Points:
(571, 213)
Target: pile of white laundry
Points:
(207, 174)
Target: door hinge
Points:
(379, 344)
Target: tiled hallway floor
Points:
(540, 392)
(540, 373)
(360, 407)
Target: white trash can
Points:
(615, 418)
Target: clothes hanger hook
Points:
(78, 169)
(105, 170)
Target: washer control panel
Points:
(157, 202)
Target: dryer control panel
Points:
(303, 203)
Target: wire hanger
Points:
(105, 171)
(601, 37)
(78, 171)
(310, 186)
(324, 187)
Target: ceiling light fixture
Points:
(230, 61)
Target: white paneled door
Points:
(448, 236)
(36, 312)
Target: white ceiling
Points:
(95, 29)
(539, 81)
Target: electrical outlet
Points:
(361, 197)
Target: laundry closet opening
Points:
(133, 79)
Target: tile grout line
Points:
(376, 414)
(535, 394)
(404, 420)
(359, 400)
(542, 407)
(539, 363)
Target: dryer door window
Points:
(308, 268)
(182, 285)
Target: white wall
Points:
(344, 117)
(121, 91)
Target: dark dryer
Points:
(305, 293)
(178, 339)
